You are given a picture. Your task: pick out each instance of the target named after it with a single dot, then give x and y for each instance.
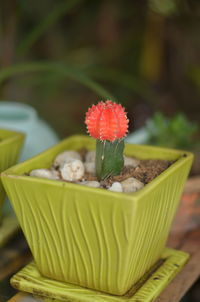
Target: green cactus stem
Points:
(109, 158)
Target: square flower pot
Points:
(10, 146)
(93, 237)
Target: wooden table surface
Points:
(185, 235)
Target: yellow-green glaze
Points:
(9, 226)
(93, 237)
(10, 146)
(147, 289)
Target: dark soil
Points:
(149, 169)
(145, 172)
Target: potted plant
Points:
(90, 236)
(10, 146)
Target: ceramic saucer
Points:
(147, 289)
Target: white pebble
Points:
(131, 185)
(72, 170)
(90, 156)
(65, 156)
(116, 187)
(90, 167)
(44, 173)
(92, 183)
(130, 161)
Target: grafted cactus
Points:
(108, 123)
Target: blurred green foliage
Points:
(174, 132)
(62, 56)
(166, 7)
(83, 56)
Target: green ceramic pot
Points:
(93, 237)
(10, 146)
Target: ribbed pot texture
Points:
(93, 237)
(10, 147)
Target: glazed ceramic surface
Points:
(149, 287)
(93, 237)
(10, 146)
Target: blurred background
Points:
(62, 56)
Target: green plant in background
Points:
(64, 70)
(51, 56)
(46, 20)
(61, 70)
(165, 7)
(57, 60)
(175, 132)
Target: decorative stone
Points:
(69, 166)
(90, 167)
(131, 184)
(65, 156)
(44, 173)
(90, 156)
(116, 187)
(130, 161)
(93, 183)
(72, 170)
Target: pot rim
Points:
(9, 136)
(181, 158)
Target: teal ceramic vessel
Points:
(39, 135)
(21, 117)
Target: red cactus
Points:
(107, 121)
